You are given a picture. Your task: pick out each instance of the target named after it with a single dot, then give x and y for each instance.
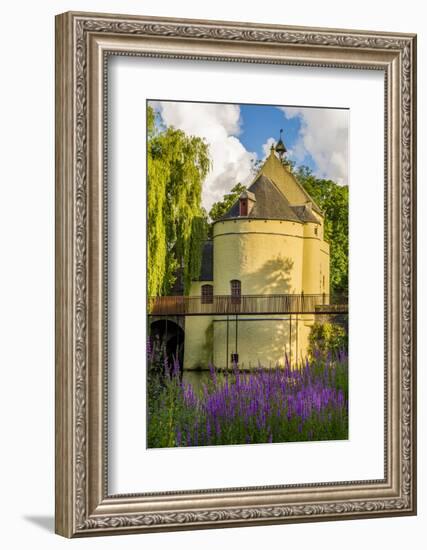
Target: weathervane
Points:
(280, 147)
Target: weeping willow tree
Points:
(177, 224)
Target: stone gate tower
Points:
(268, 248)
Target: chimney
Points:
(247, 201)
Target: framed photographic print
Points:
(235, 274)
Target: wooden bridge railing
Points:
(246, 304)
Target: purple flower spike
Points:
(264, 404)
(176, 368)
(213, 373)
(166, 366)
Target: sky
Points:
(239, 135)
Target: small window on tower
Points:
(315, 230)
(236, 291)
(207, 294)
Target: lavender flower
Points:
(262, 405)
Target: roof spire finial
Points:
(280, 146)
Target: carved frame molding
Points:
(83, 44)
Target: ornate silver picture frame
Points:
(84, 42)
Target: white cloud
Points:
(323, 135)
(219, 124)
(267, 146)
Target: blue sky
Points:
(260, 122)
(239, 135)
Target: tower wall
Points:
(261, 340)
(324, 257)
(316, 261)
(198, 348)
(268, 257)
(311, 259)
(265, 255)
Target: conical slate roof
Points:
(270, 204)
(287, 183)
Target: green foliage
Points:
(177, 166)
(220, 208)
(151, 122)
(256, 165)
(333, 201)
(162, 413)
(156, 355)
(327, 338)
(193, 254)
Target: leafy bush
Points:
(327, 339)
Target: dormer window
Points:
(247, 201)
(243, 207)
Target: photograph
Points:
(247, 273)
